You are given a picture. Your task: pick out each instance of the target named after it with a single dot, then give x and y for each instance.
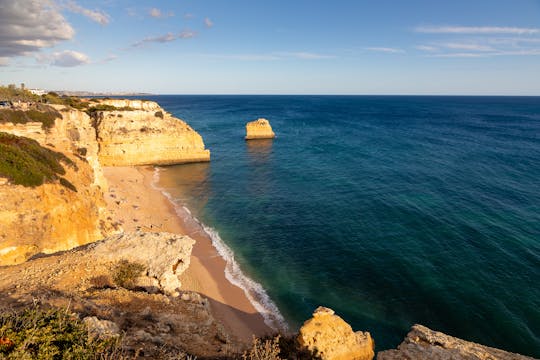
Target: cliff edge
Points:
(424, 343)
(136, 132)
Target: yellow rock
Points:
(146, 135)
(331, 338)
(259, 129)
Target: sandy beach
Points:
(136, 205)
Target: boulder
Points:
(259, 129)
(424, 343)
(328, 336)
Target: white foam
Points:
(253, 290)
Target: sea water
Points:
(390, 210)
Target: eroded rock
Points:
(424, 343)
(259, 129)
(331, 338)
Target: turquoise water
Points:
(390, 210)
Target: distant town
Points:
(40, 92)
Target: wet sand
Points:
(137, 205)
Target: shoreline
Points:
(134, 202)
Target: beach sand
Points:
(136, 205)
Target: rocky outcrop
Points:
(145, 134)
(424, 343)
(165, 256)
(133, 104)
(259, 129)
(326, 335)
(155, 325)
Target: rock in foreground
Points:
(424, 343)
(259, 129)
(128, 299)
(331, 338)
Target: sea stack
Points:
(259, 129)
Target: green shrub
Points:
(36, 333)
(125, 273)
(158, 114)
(24, 162)
(11, 93)
(44, 114)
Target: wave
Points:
(254, 291)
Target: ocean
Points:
(391, 210)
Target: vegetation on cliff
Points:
(36, 333)
(11, 93)
(24, 162)
(44, 114)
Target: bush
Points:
(51, 334)
(158, 114)
(263, 350)
(24, 162)
(125, 273)
(12, 93)
(46, 115)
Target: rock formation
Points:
(83, 280)
(423, 343)
(142, 133)
(165, 256)
(331, 338)
(259, 129)
(51, 217)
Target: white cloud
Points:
(468, 47)
(68, 58)
(306, 55)
(186, 34)
(274, 56)
(157, 13)
(426, 48)
(388, 50)
(27, 26)
(188, 16)
(94, 15)
(244, 57)
(476, 30)
(208, 23)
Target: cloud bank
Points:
(27, 26)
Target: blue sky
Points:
(273, 47)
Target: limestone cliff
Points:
(327, 336)
(142, 133)
(259, 129)
(424, 343)
(50, 217)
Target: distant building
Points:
(38, 91)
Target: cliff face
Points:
(424, 343)
(259, 129)
(50, 217)
(145, 134)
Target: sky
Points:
(436, 47)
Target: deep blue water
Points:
(390, 210)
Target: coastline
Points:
(134, 202)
